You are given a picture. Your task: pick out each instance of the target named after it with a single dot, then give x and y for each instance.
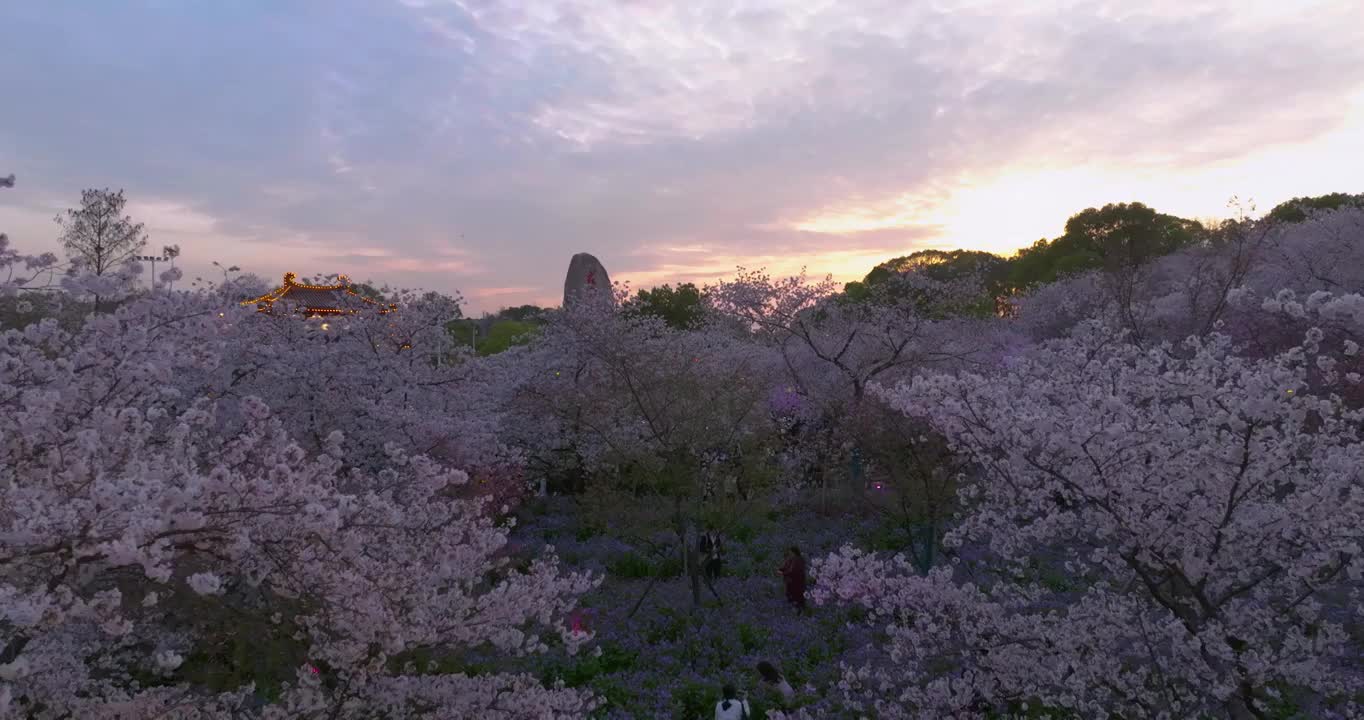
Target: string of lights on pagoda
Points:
(316, 306)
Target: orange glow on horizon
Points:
(1016, 206)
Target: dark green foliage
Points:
(506, 334)
(634, 566)
(941, 265)
(1129, 233)
(68, 312)
(240, 648)
(880, 284)
(672, 628)
(679, 307)
(743, 533)
(695, 701)
(1050, 576)
(889, 536)
(521, 313)
(1295, 210)
(752, 638)
(429, 661)
(1113, 237)
(585, 667)
(586, 530)
(367, 289)
(494, 338)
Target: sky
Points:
(471, 146)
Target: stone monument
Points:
(585, 272)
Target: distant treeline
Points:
(1114, 235)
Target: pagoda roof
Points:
(315, 300)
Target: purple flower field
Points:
(668, 661)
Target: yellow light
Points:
(326, 325)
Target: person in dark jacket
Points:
(712, 554)
(793, 575)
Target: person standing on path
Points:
(712, 553)
(730, 706)
(793, 574)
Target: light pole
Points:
(170, 252)
(153, 260)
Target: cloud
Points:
(482, 143)
(168, 216)
(492, 292)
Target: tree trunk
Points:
(855, 469)
(1239, 709)
(689, 561)
(652, 581)
(694, 570)
(930, 545)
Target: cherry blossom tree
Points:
(1325, 251)
(833, 349)
(99, 237)
(914, 475)
(1203, 509)
(148, 525)
(380, 378)
(1186, 292)
(1333, 328)
(633, 392)
(24, 272)
(28, 285)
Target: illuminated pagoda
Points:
(319, 300)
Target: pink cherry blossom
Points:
(181, 457)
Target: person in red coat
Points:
(793, 574)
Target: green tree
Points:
(505, 334)
(521, 313)
(1115, 237)
(1129, 234)
(366, 289)
(491, 337)
(1295, 210)
(1032, 265)
(679, 307)
(941, 265)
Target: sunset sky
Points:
(475, 146)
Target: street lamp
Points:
(153, 260)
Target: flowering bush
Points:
(208, 511)
(667, 660)
(147, 524)
(1205, 507)
(1186, 292)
